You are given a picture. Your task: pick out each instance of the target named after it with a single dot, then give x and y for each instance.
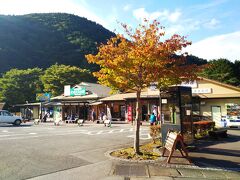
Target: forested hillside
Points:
(40, 40)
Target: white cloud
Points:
(213, 23)
(141, 13)
(185, 27)
(221, 46)
(17, 7)
(212, 4)
(173, 17)
(127, 7)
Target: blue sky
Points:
(212, 25)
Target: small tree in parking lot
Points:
(135, 60)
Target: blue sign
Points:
(42, 97)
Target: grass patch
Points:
(146, 152)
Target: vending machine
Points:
(176, 112)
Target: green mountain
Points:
(40, 40)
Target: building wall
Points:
(206, 104)
(216, 89)
(36, 112)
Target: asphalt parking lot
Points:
(45, 150)
(32, 150)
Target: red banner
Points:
(129, 113)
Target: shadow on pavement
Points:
(216, 163)
(11, 125)
(213, 141)
(218, 153)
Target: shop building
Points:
(216, 101)
(76, 101)
(211, 100)
(29, 111)
(123, 106)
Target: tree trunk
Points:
(160, 107)
(137, 124)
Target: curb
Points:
(108, 154)
(160, 159)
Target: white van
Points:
(7, 117)
(231, 121)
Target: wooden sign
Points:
(174, 141)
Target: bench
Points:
(218, 133)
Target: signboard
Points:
(174, 141)
(42, 97)
(164, 101)
(192, 84)
(78, 91)
(129, 113)
(81, 91)
(153, 87)
(202, 91)
(67, 90)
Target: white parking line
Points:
(5, 135)
(100, 132)
(58, 132)
(32, 133)
(142, 136)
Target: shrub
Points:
(201, 128)
(155, 132)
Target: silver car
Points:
(7, 117)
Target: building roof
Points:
(98, 89)
(94, 91)
(155, 93)
(212, 96)
(220, 84)
(125, 96)
(76, 98)
(29, 104)
(95, 103)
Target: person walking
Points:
(109, 116)
(152, 119)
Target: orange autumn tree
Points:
(139, 58)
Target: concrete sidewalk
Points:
(111, 170)
(153, 171)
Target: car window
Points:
(5, 113)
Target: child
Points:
(152, 119)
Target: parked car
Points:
(231, 121)
(7, 117)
